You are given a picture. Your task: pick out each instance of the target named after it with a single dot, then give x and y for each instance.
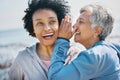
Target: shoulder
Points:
(25, 55)
(97, 53)
(21, 61)
(105, 48)
(102, 53)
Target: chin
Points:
(75, 39)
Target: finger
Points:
(70, 27)
(68, 23)
(74, 29)
(65, 23)
(62, 24)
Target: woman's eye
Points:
(39, 24)
(52, 22)
(81, 22)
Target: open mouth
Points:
(48, 36)
(77, 33)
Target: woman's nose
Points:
(47, 27)
(75, 25)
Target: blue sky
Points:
(12, 11)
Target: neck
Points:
(44, 52)
(88, 44)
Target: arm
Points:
(72, 54)
(82, 68)
(15, 72)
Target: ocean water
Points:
(13, 41)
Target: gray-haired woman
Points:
(100, 60)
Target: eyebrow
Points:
(38, 19)
(80, 19)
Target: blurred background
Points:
(14, 38)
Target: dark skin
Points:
(45, 24)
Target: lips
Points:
(48, 36)
(77, 33)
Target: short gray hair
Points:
(100, 17)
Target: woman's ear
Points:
(98, 30)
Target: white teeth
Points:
(48, 34)
(77, 32)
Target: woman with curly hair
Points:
(42, 20)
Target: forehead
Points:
(85, 15)
(44, 13)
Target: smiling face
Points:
(84, 32)
(45, 25)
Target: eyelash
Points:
(51, 22)
(39, 23)
(81, 22)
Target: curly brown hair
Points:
(58, 6)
